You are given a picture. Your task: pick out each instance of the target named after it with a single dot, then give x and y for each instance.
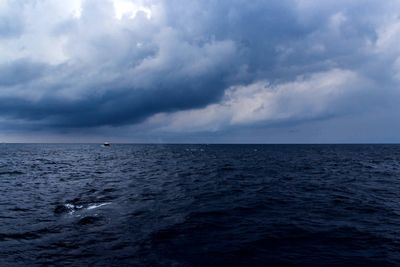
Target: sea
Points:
(199, 205)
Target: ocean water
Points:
(199, 205)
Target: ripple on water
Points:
(193, 205)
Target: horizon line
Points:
(149, 143)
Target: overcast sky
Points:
(213, 71)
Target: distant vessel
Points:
(106, 144)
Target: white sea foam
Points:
(95, 206)
(69, 206)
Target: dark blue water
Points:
(200, 205)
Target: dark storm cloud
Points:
(117, 107)
(87, 68)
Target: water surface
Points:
(199, 205)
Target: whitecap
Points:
(69, 206)
(95, 206)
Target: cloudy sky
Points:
(213, 71)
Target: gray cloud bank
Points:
(196, 66)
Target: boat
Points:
(106, 144)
